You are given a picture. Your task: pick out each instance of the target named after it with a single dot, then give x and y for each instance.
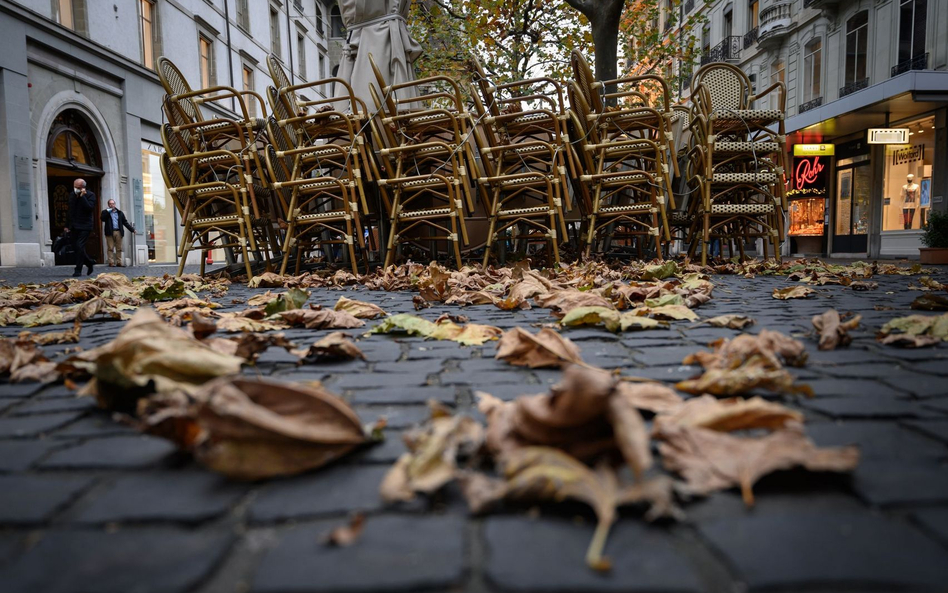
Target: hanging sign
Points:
(888, 135)
(809, 176)
(814, 149)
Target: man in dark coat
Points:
(114, 223)
(81, 219)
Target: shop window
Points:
(160, 224)
(908, 178)
(912, 15)
(812, 69)
(857, 41)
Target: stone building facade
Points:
(79, 97)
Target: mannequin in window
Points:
(909, 201)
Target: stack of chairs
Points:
(424, 161)
(524, 158)
(624, 147)
(315, 163)
(213, 170)
(737, 162)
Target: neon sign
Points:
(809, 176)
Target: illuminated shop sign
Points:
(888, 135)
(809, 176)
(814, 149)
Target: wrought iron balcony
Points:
(852, 87)
(750, 38)
(689, 6)
(820, 3)
(775, 21)
(813, 104)
(729, 50)
(919, 62)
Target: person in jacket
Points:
(81, 219)
(114, 224)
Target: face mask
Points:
(76, 189)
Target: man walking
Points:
(115, 223)
(81, 213)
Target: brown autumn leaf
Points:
(930, 302)
(419, 302)
(735, 321)
(909, 340)
(359, 309)
(69, 336)
(545, 349)
(18, 353)
(727, 415)
(561, 302)
(537, 474)
(321, 319)
(267, 280)
(236, 324)
(334, 346)
(632, 437)
(250, 429)
(651, 397)
(434, 450)
(863, 285)
(754, 373)
(710, 460)
(793, 292)
(833, 331)
(150, 356)
(36, 372)
(202, 327)
(772, 346)
(346, 535)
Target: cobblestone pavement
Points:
(87, 505)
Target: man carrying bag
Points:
(114, 223)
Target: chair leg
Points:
(490, 228)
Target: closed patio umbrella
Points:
(380, 28)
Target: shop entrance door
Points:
(851, 225)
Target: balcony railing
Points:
(689, 6)
(750, 38)
(775, 20)
(813, 104)
(729, 50)
(820, 3)
(852, 87)
(917, 63)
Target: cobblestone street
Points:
(90, 505)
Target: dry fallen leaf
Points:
(735, 321)
(335, 345)
(359, 309)
(250, 430)
(709, 460)
(727, 415)
(931, 326)
(346, 535)
(470, 334)
(321, 319)
(833, 331)
(545, 349)
(930, 302)
(909, 341)
(793, 292)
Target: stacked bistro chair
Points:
(423, 162)
(626, 158)
(524, 159)
(314, 164)
(737, 162)
(213, 170)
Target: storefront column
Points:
(940, 173)
(877, 180)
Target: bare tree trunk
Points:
(603, 16)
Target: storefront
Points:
(808, 197)
(907, 187)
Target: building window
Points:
(912, 15)
(778, 73)
(301, 53)
(753, 13)
(728, 23)
(160, 226)
(208, 66)
(247, 79)
(812, 69)
(907, 187)
(274, 32)
(320, 26)
(149, 14)
(243, 15)
(71, 14)
(857, 39)
(335, 19)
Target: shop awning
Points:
(900, 97)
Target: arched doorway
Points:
(71, 152)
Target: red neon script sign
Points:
(807, 172)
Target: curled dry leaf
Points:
(471, 334)
(610, 318)
(863, 285)
(434, 451)
(537, 474)
(752, 374)
(561, 302)
(359, 309)
(321, 319)
(909, 341)
(292, 299)
(336, 345)
(419, 303)
(931, 326)
(709, 460)
(833, 331)
(267, 280)
(677, 312)
(19, 353)
(250, 430)
(735, 321)
(150, 356)
(772, 346)
(728, 415)
(930, 302)
(346, 535)
(545, 349)
(793, 292)
(235, 324)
